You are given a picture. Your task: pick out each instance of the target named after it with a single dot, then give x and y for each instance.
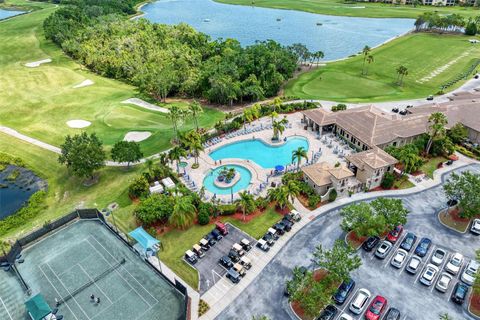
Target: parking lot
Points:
(402, 289)
(209, 270)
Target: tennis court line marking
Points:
(5, 307)
(55, 288)
(93, 282)
(99, 313)
(124, 269)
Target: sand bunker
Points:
(137, 136)
(145, 104)
(37, 63)
(78, 124)
(84, 83)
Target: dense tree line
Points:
(165, 60)
(433, 21)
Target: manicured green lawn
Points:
(431, 165)
(39, 101)
(354, 9)
(403, 183)
(421, 53)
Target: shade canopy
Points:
(279, 168)
(37, 307)
(143, 238)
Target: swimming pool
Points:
(243, 183)
(265, 155)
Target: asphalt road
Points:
(264, 296)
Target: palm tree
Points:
(402, 71)
(175, 154)
(278, 128)
(149, 165)
(293, 190)
(183, 214)
(370, 60)
(366, 52)
(175, 116)
(410, 159)
(277, 103)
(437, 121)
(298, 154)
(195, 110)
(193, 140)
(247, 117)
(279, 195)
(246, 202)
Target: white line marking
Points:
(93, 282)
(6, 308)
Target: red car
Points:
(376, 308)
(221, 227)
(395, 234)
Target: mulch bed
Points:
(354, 240)
(317, 276)
(453, 219)
(475, 304)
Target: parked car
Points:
(399, 258)
(443, 282)
(438, 256)
(233, 276)
(222, 228)
(430, 98)
(240, 269)
(191, 257)
(287, 223)
(226, 262)
(262, 244)
(454, 264)
(204, 244)
(395, 234)
(475, 228)
(408, 241)
(274, 233)
(395, 110)
(246, 245)
(245, 262)
(413, 264)
(376, 309)
(429, 274)
(280, 227)
(295, 215)
(234, 255)
(211, 239)
(360, 301)
(383, 249)
(343, 291)
(392, 314)
(328, 313)
(370, 243)
(459, 293)
(345, 316)
(470, 272)
(239, 249)
(269, 239)
(198, 251)
(216, 234)
(422, 247)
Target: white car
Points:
(475, 228)
(345, 317)
(360, 301)
(429, 274)
(454, 264)
(468, 276)
(443, 282)
(438, 256)
(413, 264)
(399, 259)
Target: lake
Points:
(9, 13)
(337, 37)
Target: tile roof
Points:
(322, 172)
(375, 158)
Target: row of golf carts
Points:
(198, 250)
(278, 229)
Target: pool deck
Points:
(259, 175)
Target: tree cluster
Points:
(433, 21)
(465, 188)
(164, 60)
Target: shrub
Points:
(388, 180)
(203, 307)
(157, 207)
(314, 200)
(339, 107)
(138, 188)
(332, 196)
(261, 203)
(471, 28)
(227, 209)
(203, 218)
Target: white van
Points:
(360, 301)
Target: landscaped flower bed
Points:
(317, 276)
(354, 241)
(453, 220)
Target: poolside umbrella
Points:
(279, 168)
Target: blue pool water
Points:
(245, 177)
(338, 37)
(266, 156)
(8, 13)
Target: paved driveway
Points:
(265, 295)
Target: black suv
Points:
(226, 262)
(328, 313)
(370, 243)
(459, 293)
(343, 291)
(233, 254)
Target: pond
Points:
(16, 186)
(9, 13)
(338, 37)
(265, 155)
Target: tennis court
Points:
(11, 297)
(85, 258)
